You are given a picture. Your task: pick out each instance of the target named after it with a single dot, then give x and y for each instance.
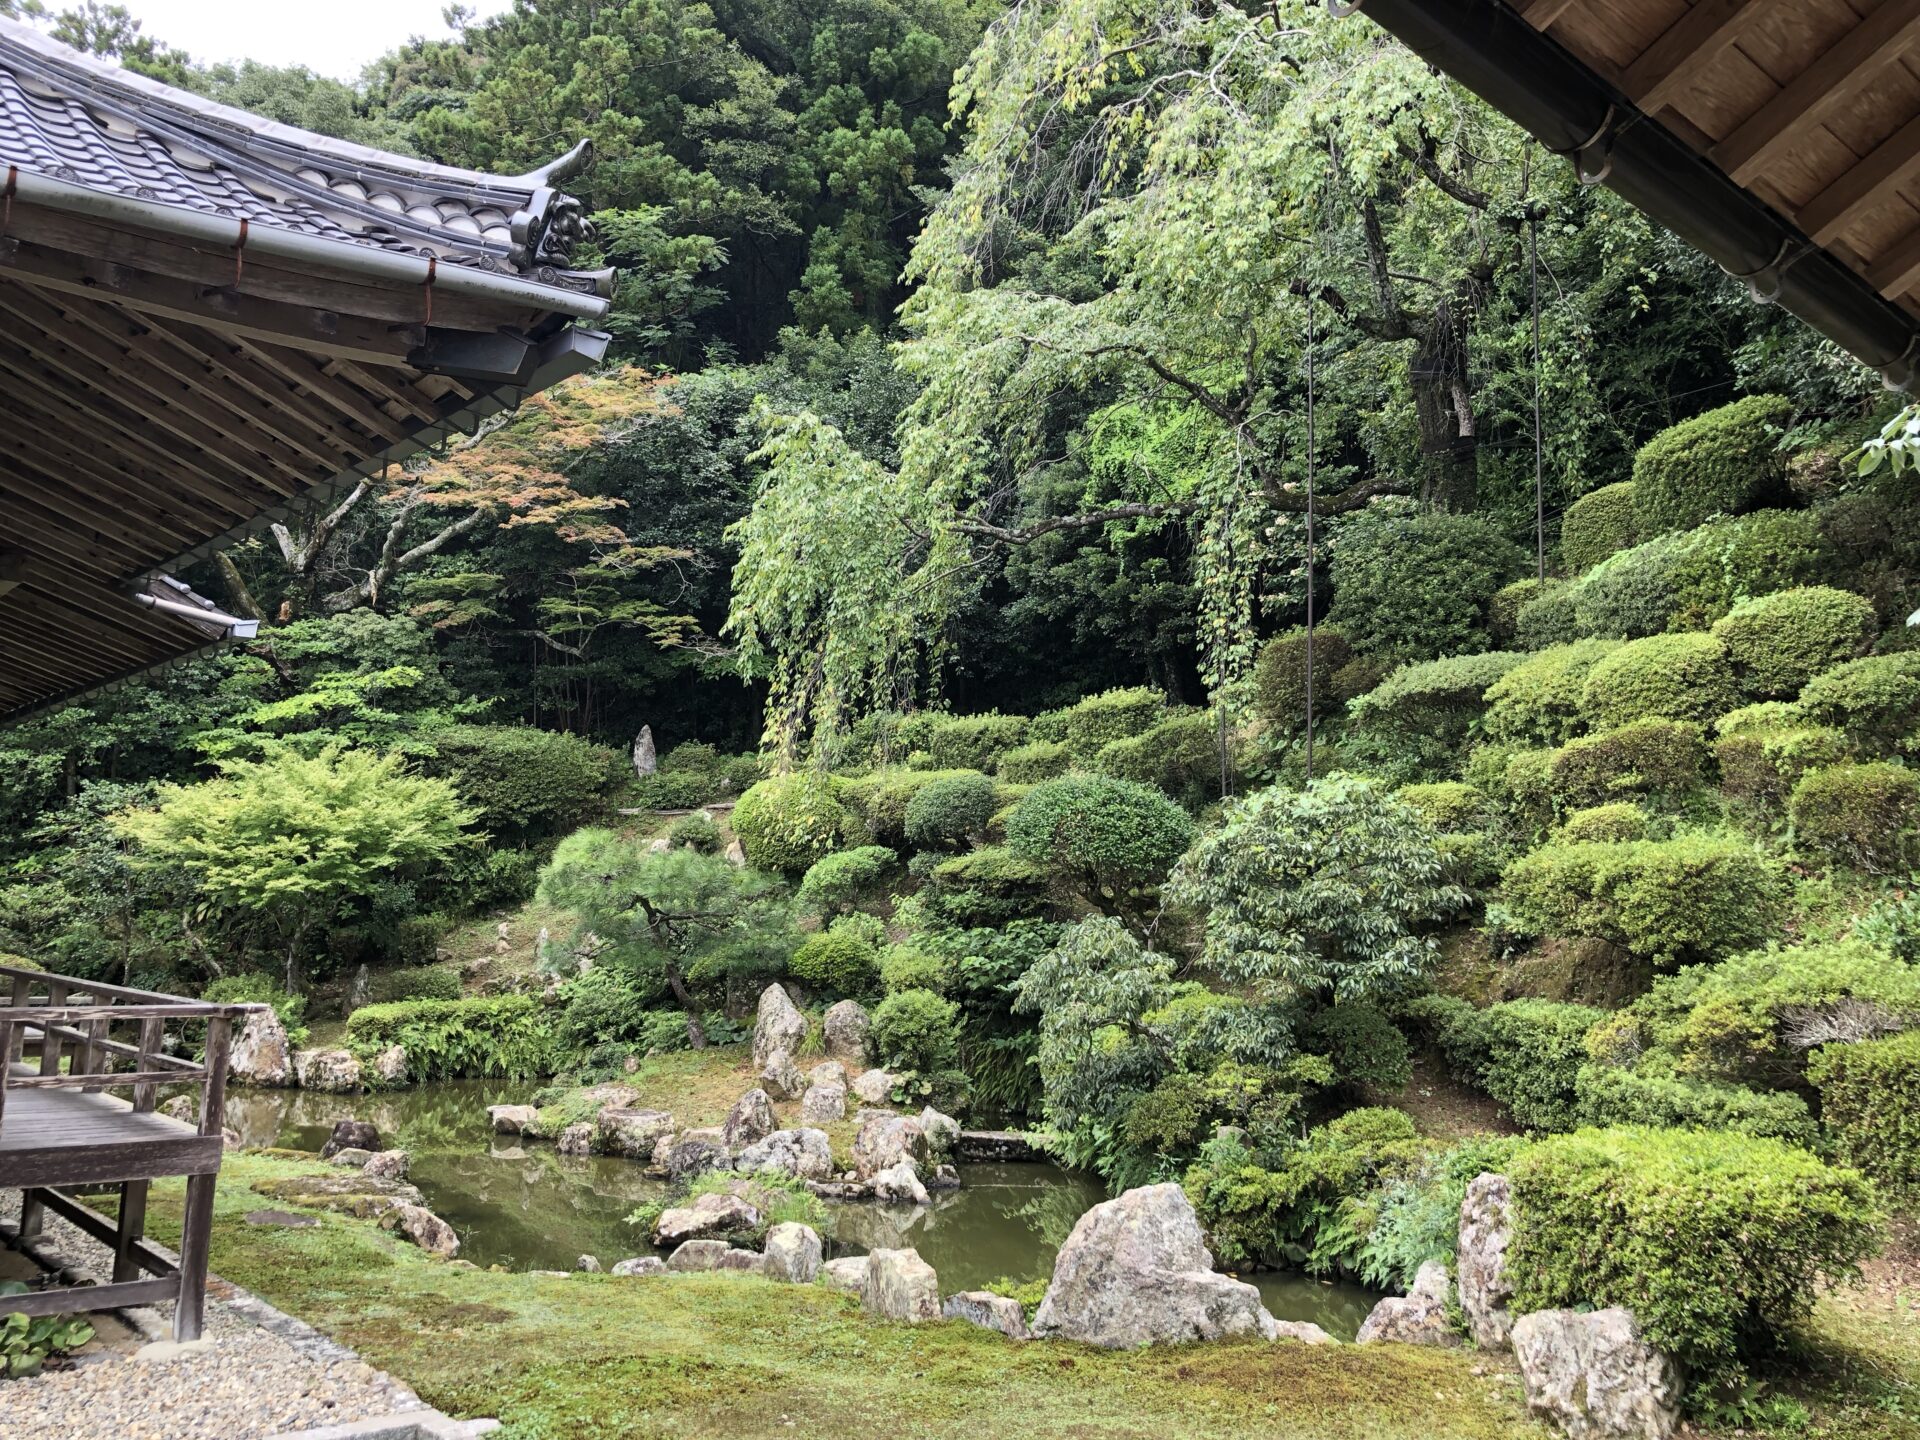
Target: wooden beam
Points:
(300, 370)
(1542, 13)
(1876, 41)
(1685, 50)
(1898, 269)
(405, 395)
(1870, 182)
(55, 464)
(13, 569)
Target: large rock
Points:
(793, 1253)
(1486, 1227)
(424, 1228)
(388, 1164)
(873, 1087)
(989, 1311)
(886, 1139)
(260, 1054)
(1136, 1271)
(620, 1130)
(352, 1156)
(640, 1265)
(827, 1072)
(390, 1065)
(781, 1078)
(351, 1135)
(512, 1119)
(823, 1104)
(751, 1261)
(804, 1154)
(899, 1186)
(750, 1119)
(698, 1255)
(846, 1032)
(332, 1072)
(901, 1286)
(942, 1132)
(847, 1274)
(708, 1215)
(1305, 1331)
(1417, 1318)
(692, 1152)
(576, 1139)
(778, 1026)
(1595, 1376)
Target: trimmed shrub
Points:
(787, 822)
(1415, 584)
(696, 832)
(1875, 700)
(524, 782)
(1449, 805)
(1695, 897)
(974, 742)
(836, 961)
(987, 887)
(1760, 718)
(1618, 821)
(1675, 677)
(1359, 675)
(1859, 816)
(1364, 1046)
(1597, 524)
(1870, 1106)
(1503, 611)
(847, 878)
(1180, 755)
(1529, 785)
(1725, 462)
(1648, 757)
(1538, 700)
(1103, 832)
(1547, 619)
(916, 1030)
(1616, 1095)
(1725, 561)
(1280, 675)
(902, 967)
(881, 799)
(480, 1037)
(415, 982)
(251, 988)
(1631, 593)
(1762, 766)
(1718, 1243)
(950, 811)
(1524, 1053)
(1035, 761)
(1781, 641)
(1418, 720)
(1112, 715)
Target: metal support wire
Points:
(1539, 449)
(1310, 537)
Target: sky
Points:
(331, 37)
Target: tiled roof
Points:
(73, 118)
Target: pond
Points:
(528, 1207)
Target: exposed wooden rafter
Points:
(1687, 48)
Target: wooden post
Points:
(130, 1230)
(196, 1229)
(152, 1032)
(50, 1042)
(32, 1211)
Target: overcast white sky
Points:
(332, 37)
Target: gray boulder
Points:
(989, 1311)
(260, 1054)
(846, 1032)
(621, 1130)
(576, 1139)
(1136, 1271)
(390, 1065)
(901, 1286)
(793, 1253)
(873, 1087)
(804, 1154)
(848, 1274)
(750, 1261)
(750, 1119)
(388, 1164)
(332, 1072)
(424, 1228)
(351, 1157)
(1486, 1227)
(698, 1255)
(512, 1119)
(692, 1152)
(779, 1025)
(1417, 1318)
(899, 1186)
(781, 1078)
(587, 1265)
(351, 1135)
(1305, 1331)
(640, 1265)
(827, 1072)
(942, 1132)
(823, 1104)
(1595, 1376)
(884, 1140)
(708, 1215)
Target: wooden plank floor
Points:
(50, 1137)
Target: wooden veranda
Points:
(66, 1045)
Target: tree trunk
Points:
(676, 982)
(1443, 404)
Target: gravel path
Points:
(264, 1374)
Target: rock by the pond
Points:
(390, 1065)
(512, 1119)
(698, 1255)
(872, 1087)
(620, 1130)
(750, 1119)
(899, 1185)
(779, 1025)
(901, 1286)
(181, 1107)
(1595, 1376)
(640, 1265)
(824, 1104)
(781, 1078)
(332, 1072)
(424, 1228)
(846, 1027)
(886, 1139)
(944, 1177)
(1486, 1227)
(260, 1054)
(804, 1154)
(1417, 1318)
(848, 1273)
(1136, 1271)
(350, 1157)
(348, 1192)
(793, 1253)
(751, 1261)
(997, 1147)
(577, 1138)
(692, 1152)
(388, 1164)
(351, 1135)
(942, 1132)
(989, 1311)
(708, 1215)
(1305, 1331)
(587, 1265)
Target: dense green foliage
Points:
(505, 1035)
(1870, 1105)
(1597, 524)
(789, 822)
(1723, 462)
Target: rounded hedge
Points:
(1631, 593)
(843, 879)
(1870, 1106)
(1761, 766)
(1280, 675)
(1779, 642)
(1035, 761)
(836, 961)
(1538, 700)
(1449, 805)
(1646, 757)
(1503, 611)
(1875, 700)
(523, 781)
(1724, 462)
(1547, 619)
(1858, 816)
(1111, 715)
(880, 799)
(1687, 676)
(1620, 820)
(1597, 524)
(787, 822)
(902, 967)
(1099, 829)
(950, 811)
(916, 1030)
(1414, 584)
(1180, 755)
(974, 742)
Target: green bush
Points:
(1597, 524)
(902, 967)
(1870, 1106)
(1280, 675)
(846, 878)
(1647, 757)
(1112, 715)
(1875, 700)
(695, 832)
(1695, 897)
(1620, 820)
(416, 982)
(1180, 755)
(1632, 593)
(1524, 1053)
(1717, 1243)
(1761, 767)
(1859, 816)
(974, 742)
(1449, 805)
(1364, 1046)
(1035, 761)
(1781, 641)
(1618, 1095)
(1503, 611)
(985, 887)
(916, 1030)
(881, 799)
(1100, 832)
(1674, 677)
(1538, 700)
(1547, 619)
(837, 962)
(947, 813)
(252, 988)
(1417, 721)
(1528, 782)
(489, 1037)
(787, 822)
(1727, 461)
(1415, 584)
(524, 782)
(1727, 560)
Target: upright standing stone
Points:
(1417, 1318)
(823, 1104)
(901, 1286)
(645, 760)
(781, 1078)
(751, 1119)
(846, 1032)
(793, 1253)
(1595, 1376)
(779, 1025)
(260, 1053)
(1486, 1228)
